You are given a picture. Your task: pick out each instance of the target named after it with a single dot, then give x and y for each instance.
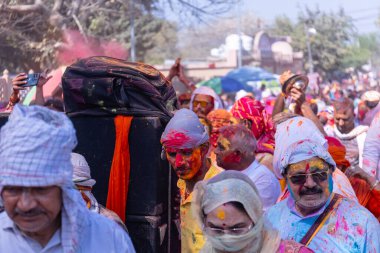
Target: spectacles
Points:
(231, 231)
(318, 177)
(202, 103)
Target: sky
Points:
(364, 12)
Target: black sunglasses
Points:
(318, 177)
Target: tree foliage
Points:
(32, 30)
(329, 45)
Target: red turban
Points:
(338, 152)
(262, 124)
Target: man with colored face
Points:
(43, 210)
(253, 115)
(186, 143)
(235, 150)
(204, 100)
(351, 136)
(313, 214)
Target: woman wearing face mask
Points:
(229, 210)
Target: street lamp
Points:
(310, 31)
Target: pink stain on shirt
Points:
(360, 230)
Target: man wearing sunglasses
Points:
(314, 215)
(204, 100)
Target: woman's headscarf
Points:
(262, 124)
(218, 119)
(234, 186)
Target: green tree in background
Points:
(365, 50)
(32, 30)
(329, 45)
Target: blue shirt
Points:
(101, 235)
(350, 227)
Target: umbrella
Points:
(214, 83)
(246, 78)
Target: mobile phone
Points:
(32, 80)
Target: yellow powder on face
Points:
(225, 143)
(220, 214)
(314, 163)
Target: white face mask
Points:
(234, 243)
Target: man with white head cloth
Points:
(84, 183)
(299, 128)
(313, 214)
(186, 143)
(43, 210)
(204, 100)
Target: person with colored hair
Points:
(236, 151)
(229, 209)
(252, 114)
(186, 145)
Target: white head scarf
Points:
(371, 96)
(234, 186)
(184, 130)
(204, 90)
(298, 139)
(82, 172)
(82, 177)
(35, 150)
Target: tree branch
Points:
(38, 5)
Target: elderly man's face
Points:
(33, 209)
(202, 105)
(310, 184)
(227, 153)
(345, 120)
(186, 162)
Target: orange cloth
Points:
(373, 204)
(338, 152)
(120, 169)
(367, 198)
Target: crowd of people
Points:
(302, 176)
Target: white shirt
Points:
(101, 235)
(266, 183)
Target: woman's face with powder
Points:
(230, 218)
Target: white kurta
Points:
(100, 235)
(266, 183)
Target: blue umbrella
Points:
(242, 78)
